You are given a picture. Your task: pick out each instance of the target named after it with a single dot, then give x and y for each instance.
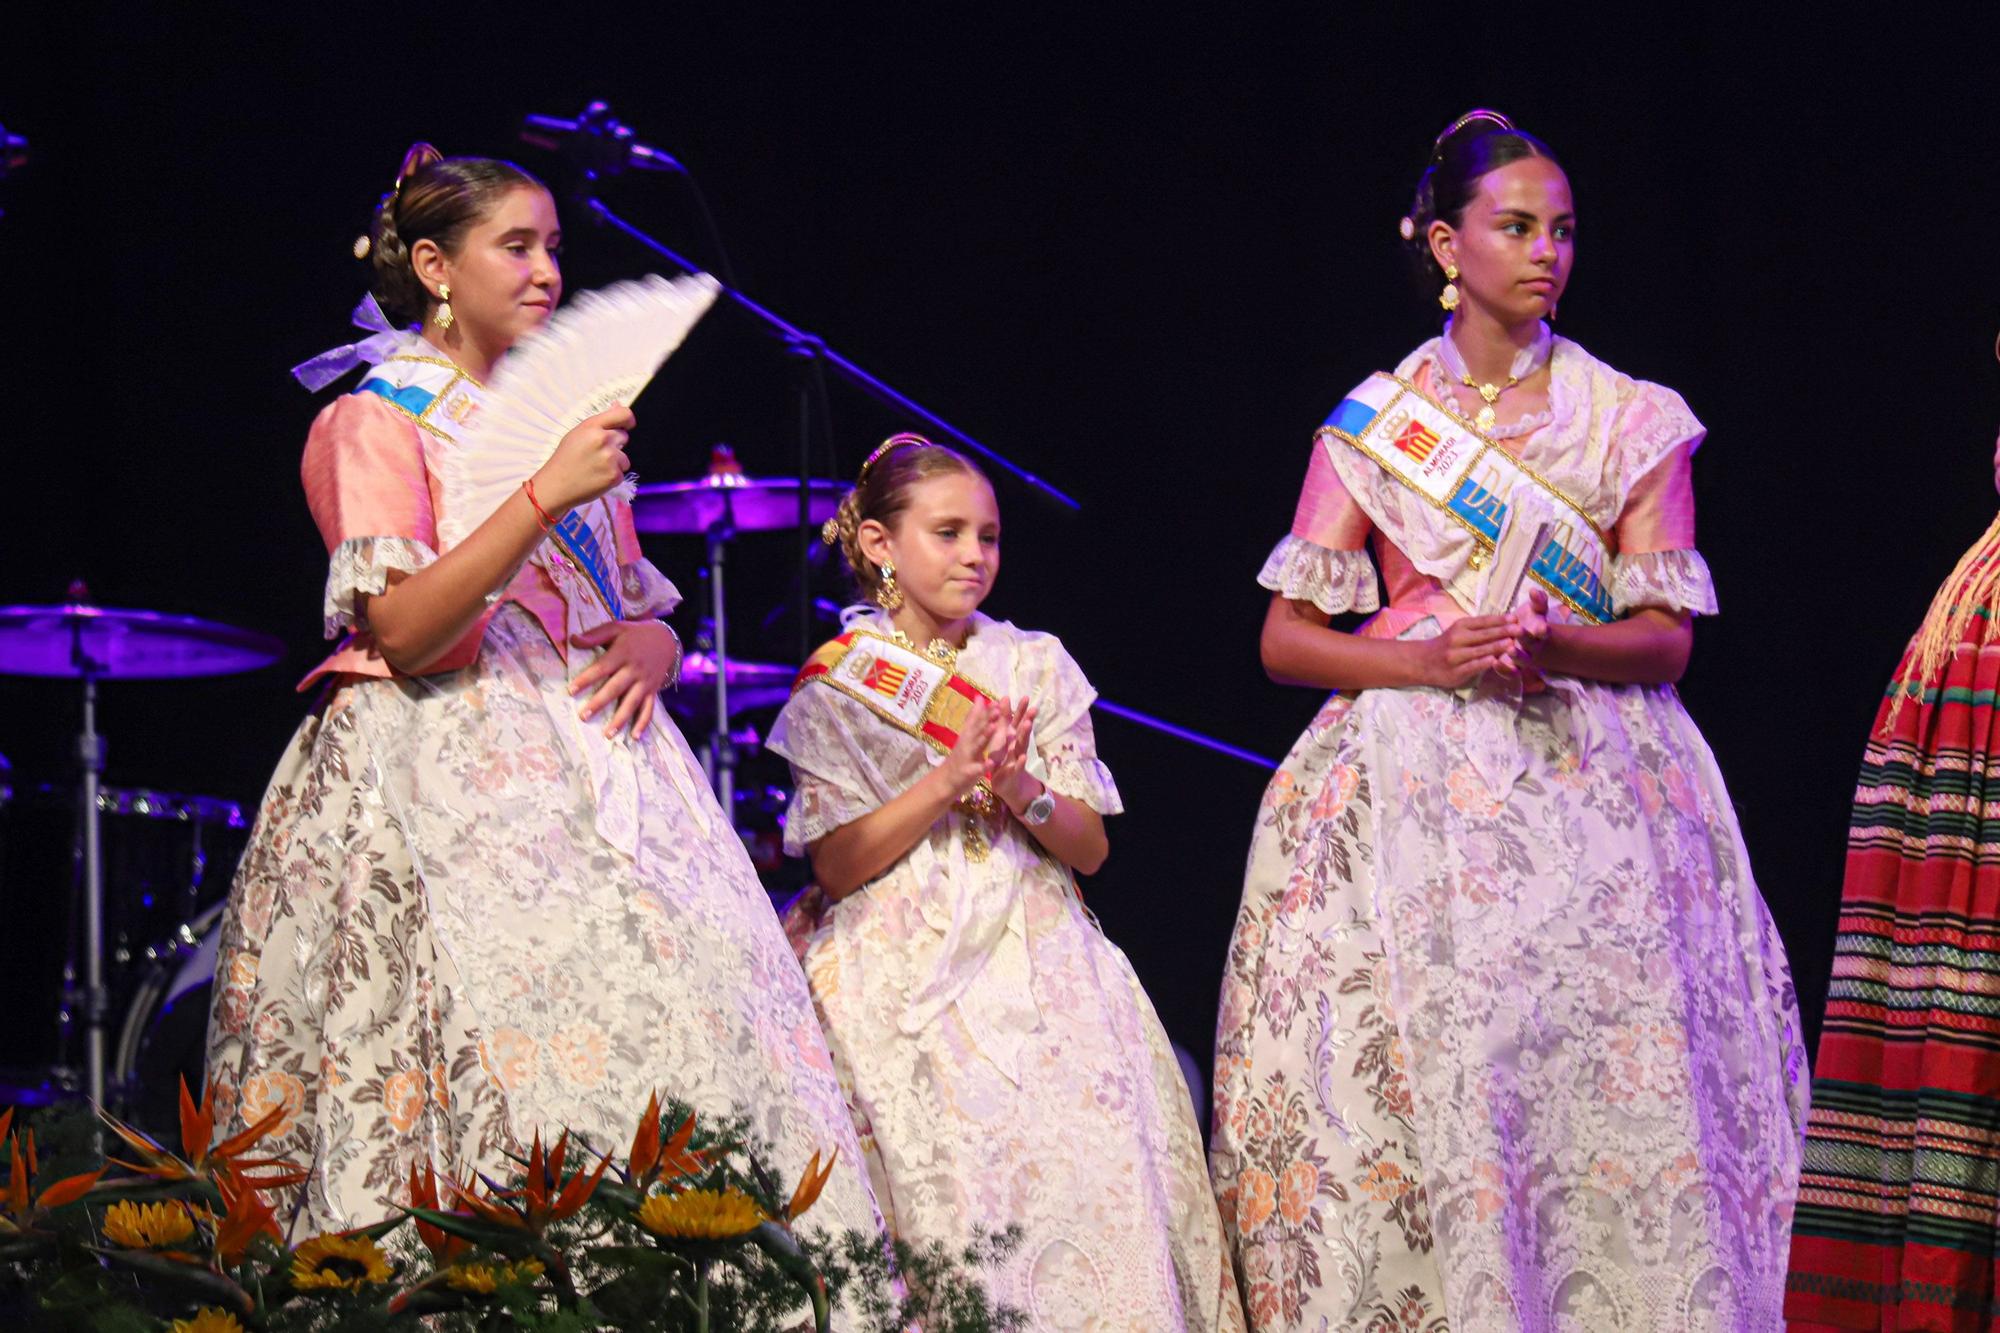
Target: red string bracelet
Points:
(548, 524)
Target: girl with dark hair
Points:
(1003, 1065)
(464, 917)
(1507, 1038)
(1895, 1228)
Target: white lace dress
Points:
(1522, 1058)
(1003, 1064)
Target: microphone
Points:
(13, 152)
(597, 143)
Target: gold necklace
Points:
(937, 650)
(1491, 393)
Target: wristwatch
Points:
(1041, 808)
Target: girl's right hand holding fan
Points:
(588, 463)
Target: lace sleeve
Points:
(360, 567)
(835, 780)
(1065, 753)
(1075, 772)
(648, 592)
(818, 808)
(1670, 580)
(1333, 581)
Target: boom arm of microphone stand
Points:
(795, 337)
(1192, 737)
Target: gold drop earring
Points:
(887, 595)
(1448, 298)
(443, 317)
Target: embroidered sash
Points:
(913, 694)
(1467, 479)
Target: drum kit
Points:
(148, 870)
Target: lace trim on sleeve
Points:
(1670, 580)
(1333, 581)
(647, 591)
(818, 808)
(1083, 777)
(360, 567)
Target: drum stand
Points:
(95, 1000)
(721, 745)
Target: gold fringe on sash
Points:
(1972, 587)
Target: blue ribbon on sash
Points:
(412, 398)
(582, 544)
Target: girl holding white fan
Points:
(489, 893)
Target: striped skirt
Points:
(1895, 1227)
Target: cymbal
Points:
(77, 639)
(751, 685)
(747, 504)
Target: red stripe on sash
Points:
(971, 693)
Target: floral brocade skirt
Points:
(432, 953)
(1081, 1137)
(1513, 1059)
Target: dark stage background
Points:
(1140, 250)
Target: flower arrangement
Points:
(689, 1232)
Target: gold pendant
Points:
(1490, 392)
(1484, 421)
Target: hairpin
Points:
(893, 442)
(1479, 113)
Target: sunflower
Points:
(209, 1320)
(327, 1262)
(485, 1278)
(147, 1226)
(723, 1214)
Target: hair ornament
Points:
(1478, 113)
(894, 442)
(1407, 228)
(829, 531)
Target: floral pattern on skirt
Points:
(1517, 1060)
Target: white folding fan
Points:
(600, 350)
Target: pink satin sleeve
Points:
(1327, 515)
(364, 477)
(364, 473)
(1659, 511)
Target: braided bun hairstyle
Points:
(436, 199)
(882, 493)
(1476, 143)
